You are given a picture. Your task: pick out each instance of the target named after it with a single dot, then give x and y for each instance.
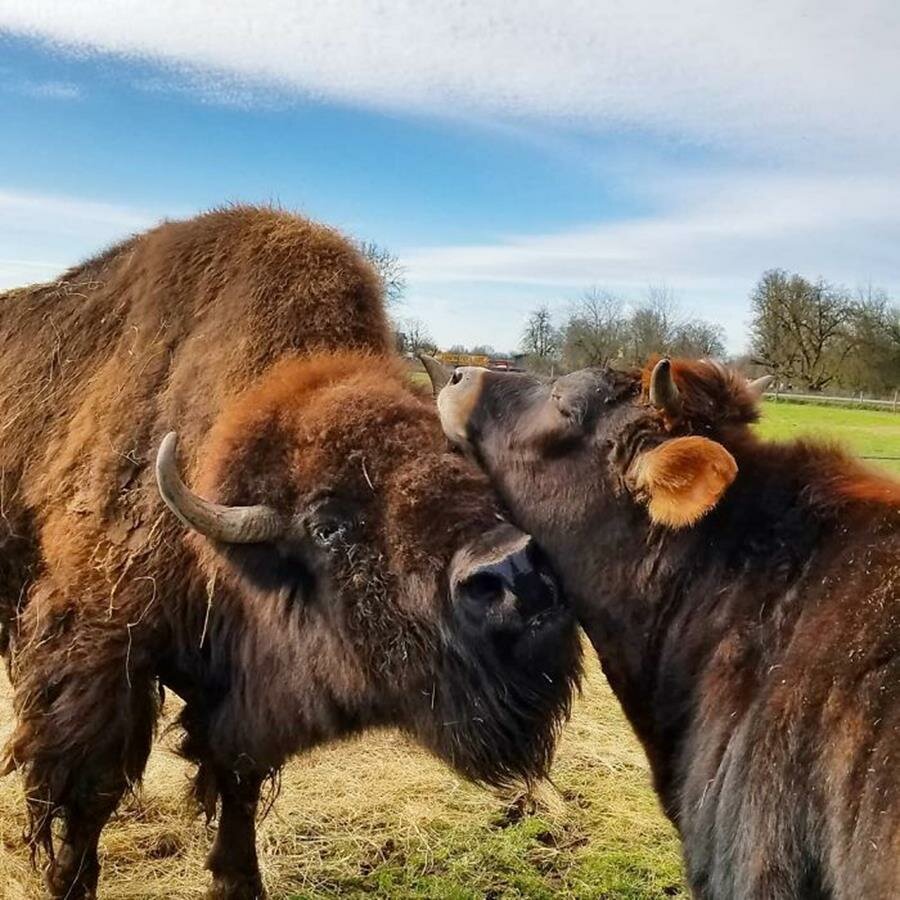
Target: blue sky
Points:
(509, 155)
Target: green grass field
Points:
(867, 433)
(378, 818)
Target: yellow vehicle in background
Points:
(498, 363)
(463, 359)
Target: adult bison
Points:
(343, 570)
(744, 598)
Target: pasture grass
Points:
(865, 432)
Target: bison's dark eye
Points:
(332, 520)
(327, 534)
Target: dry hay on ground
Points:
(378, 817)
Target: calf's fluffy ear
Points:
(683, 479)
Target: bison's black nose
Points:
(511, 588)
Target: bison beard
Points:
(491, 711)
(498, 729)
(263, 339)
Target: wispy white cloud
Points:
(42, 234)
(216, 90)
(783, 74)
(65, 215)
(43, 90)
(715, 228)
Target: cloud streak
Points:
(730, 228)
(67, 215)
(44, 90)
(749, 73)
(45, 234)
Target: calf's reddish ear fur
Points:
(683, 479)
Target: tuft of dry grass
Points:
(378, 817)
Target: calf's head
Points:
(601, 449)
(389, 584)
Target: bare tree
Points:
(601, 331)
(801, 329)
(389, 269)
(874, 367)
(652, 326)
(596, 332)
(541, 340)
(413, 337)
(697, 339)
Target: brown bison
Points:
(744, 598)
(343, 570)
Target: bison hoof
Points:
(63, 881)
(236, 889)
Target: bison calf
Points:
(341, 570)
(744, 598)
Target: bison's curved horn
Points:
(664, 393)
(437, 372)
(226, 524)
(760, 385)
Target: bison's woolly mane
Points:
(181, 318)
(391, 417)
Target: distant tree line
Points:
(602, 329)
(813, 335)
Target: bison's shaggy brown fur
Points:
(262, 338)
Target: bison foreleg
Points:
(74, 869)
(233, 860)
(86, 706)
